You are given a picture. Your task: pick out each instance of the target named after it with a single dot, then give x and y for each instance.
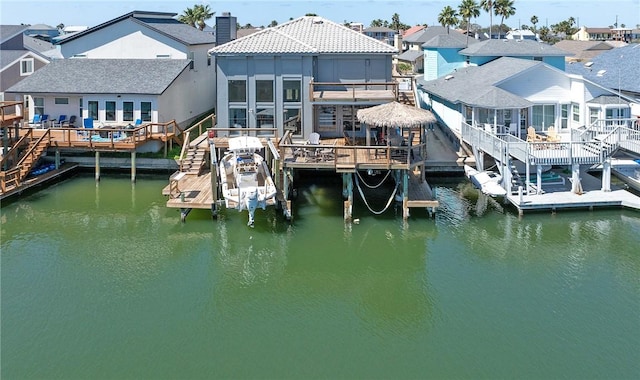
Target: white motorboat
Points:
(245, 177)
(486, 181)
(628, 171)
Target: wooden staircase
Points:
(26, 160)
(406, 97)
(194, 160)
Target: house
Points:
(509, 94)
(21, 55)
(309, 74)
(488, 50)
(164, 62)
(42, 31)
(381, 33)
(412, 30)
(522, 34)
(416, 49)
(584, 51)
(616, 69)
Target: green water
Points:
(104, 282)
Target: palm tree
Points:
(189, 16)
(468, 9)
(534, 21)
(505, 9)
(487, 5)
(203, 13)
(448, 17)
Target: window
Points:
(543, 116)
(61, 100)
(264, 91)
(264, 119)
(92, 106)
(38, 106)
(593, 115)
(110, 110)
(237, 118)
(127, 111)
(575, 112)
(291, 91)
(292, 120)
(145, 111)
(237, 91)
(564, 116)
(26, 66)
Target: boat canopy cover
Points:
(244, 144)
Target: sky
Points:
(590, 13)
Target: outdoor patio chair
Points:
(36, 120)
(44, 121)
(552, 135)
(314, 139)
(70, 123)
(86, 124)
(532, 136)
(58, 122)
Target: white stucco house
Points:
(142, 65)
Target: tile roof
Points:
(305, 35)
(103, 76)
(161, 22)
(477, 85)
(512, 48)
(412, 30)
(620, 65)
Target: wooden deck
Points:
(37, 180)
(196, 191)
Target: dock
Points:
(556, 197)
(31, 182)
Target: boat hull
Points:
(486, 181)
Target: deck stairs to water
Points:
(20, 160)
(194, 156)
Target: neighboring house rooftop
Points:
(584, 50)
(615, 68)
(305, 35)
(161, 22)
(7, 57)
(477, 85)
(512, 48)
(410, 55)
(449, 41)
(9, 31)
(103, 76)
(424, 35)
(378, 29)
(412, 30)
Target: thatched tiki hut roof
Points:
(395, 114)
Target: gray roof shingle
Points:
(103, 76)
(160, 21)
(410, 55)
(512, 48)
(620, 65)
(9, 31)
(476, 85)
(305, 35)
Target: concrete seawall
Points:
(160, 164)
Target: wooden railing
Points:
(14, 176)
(10, 158)
(352, 87)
